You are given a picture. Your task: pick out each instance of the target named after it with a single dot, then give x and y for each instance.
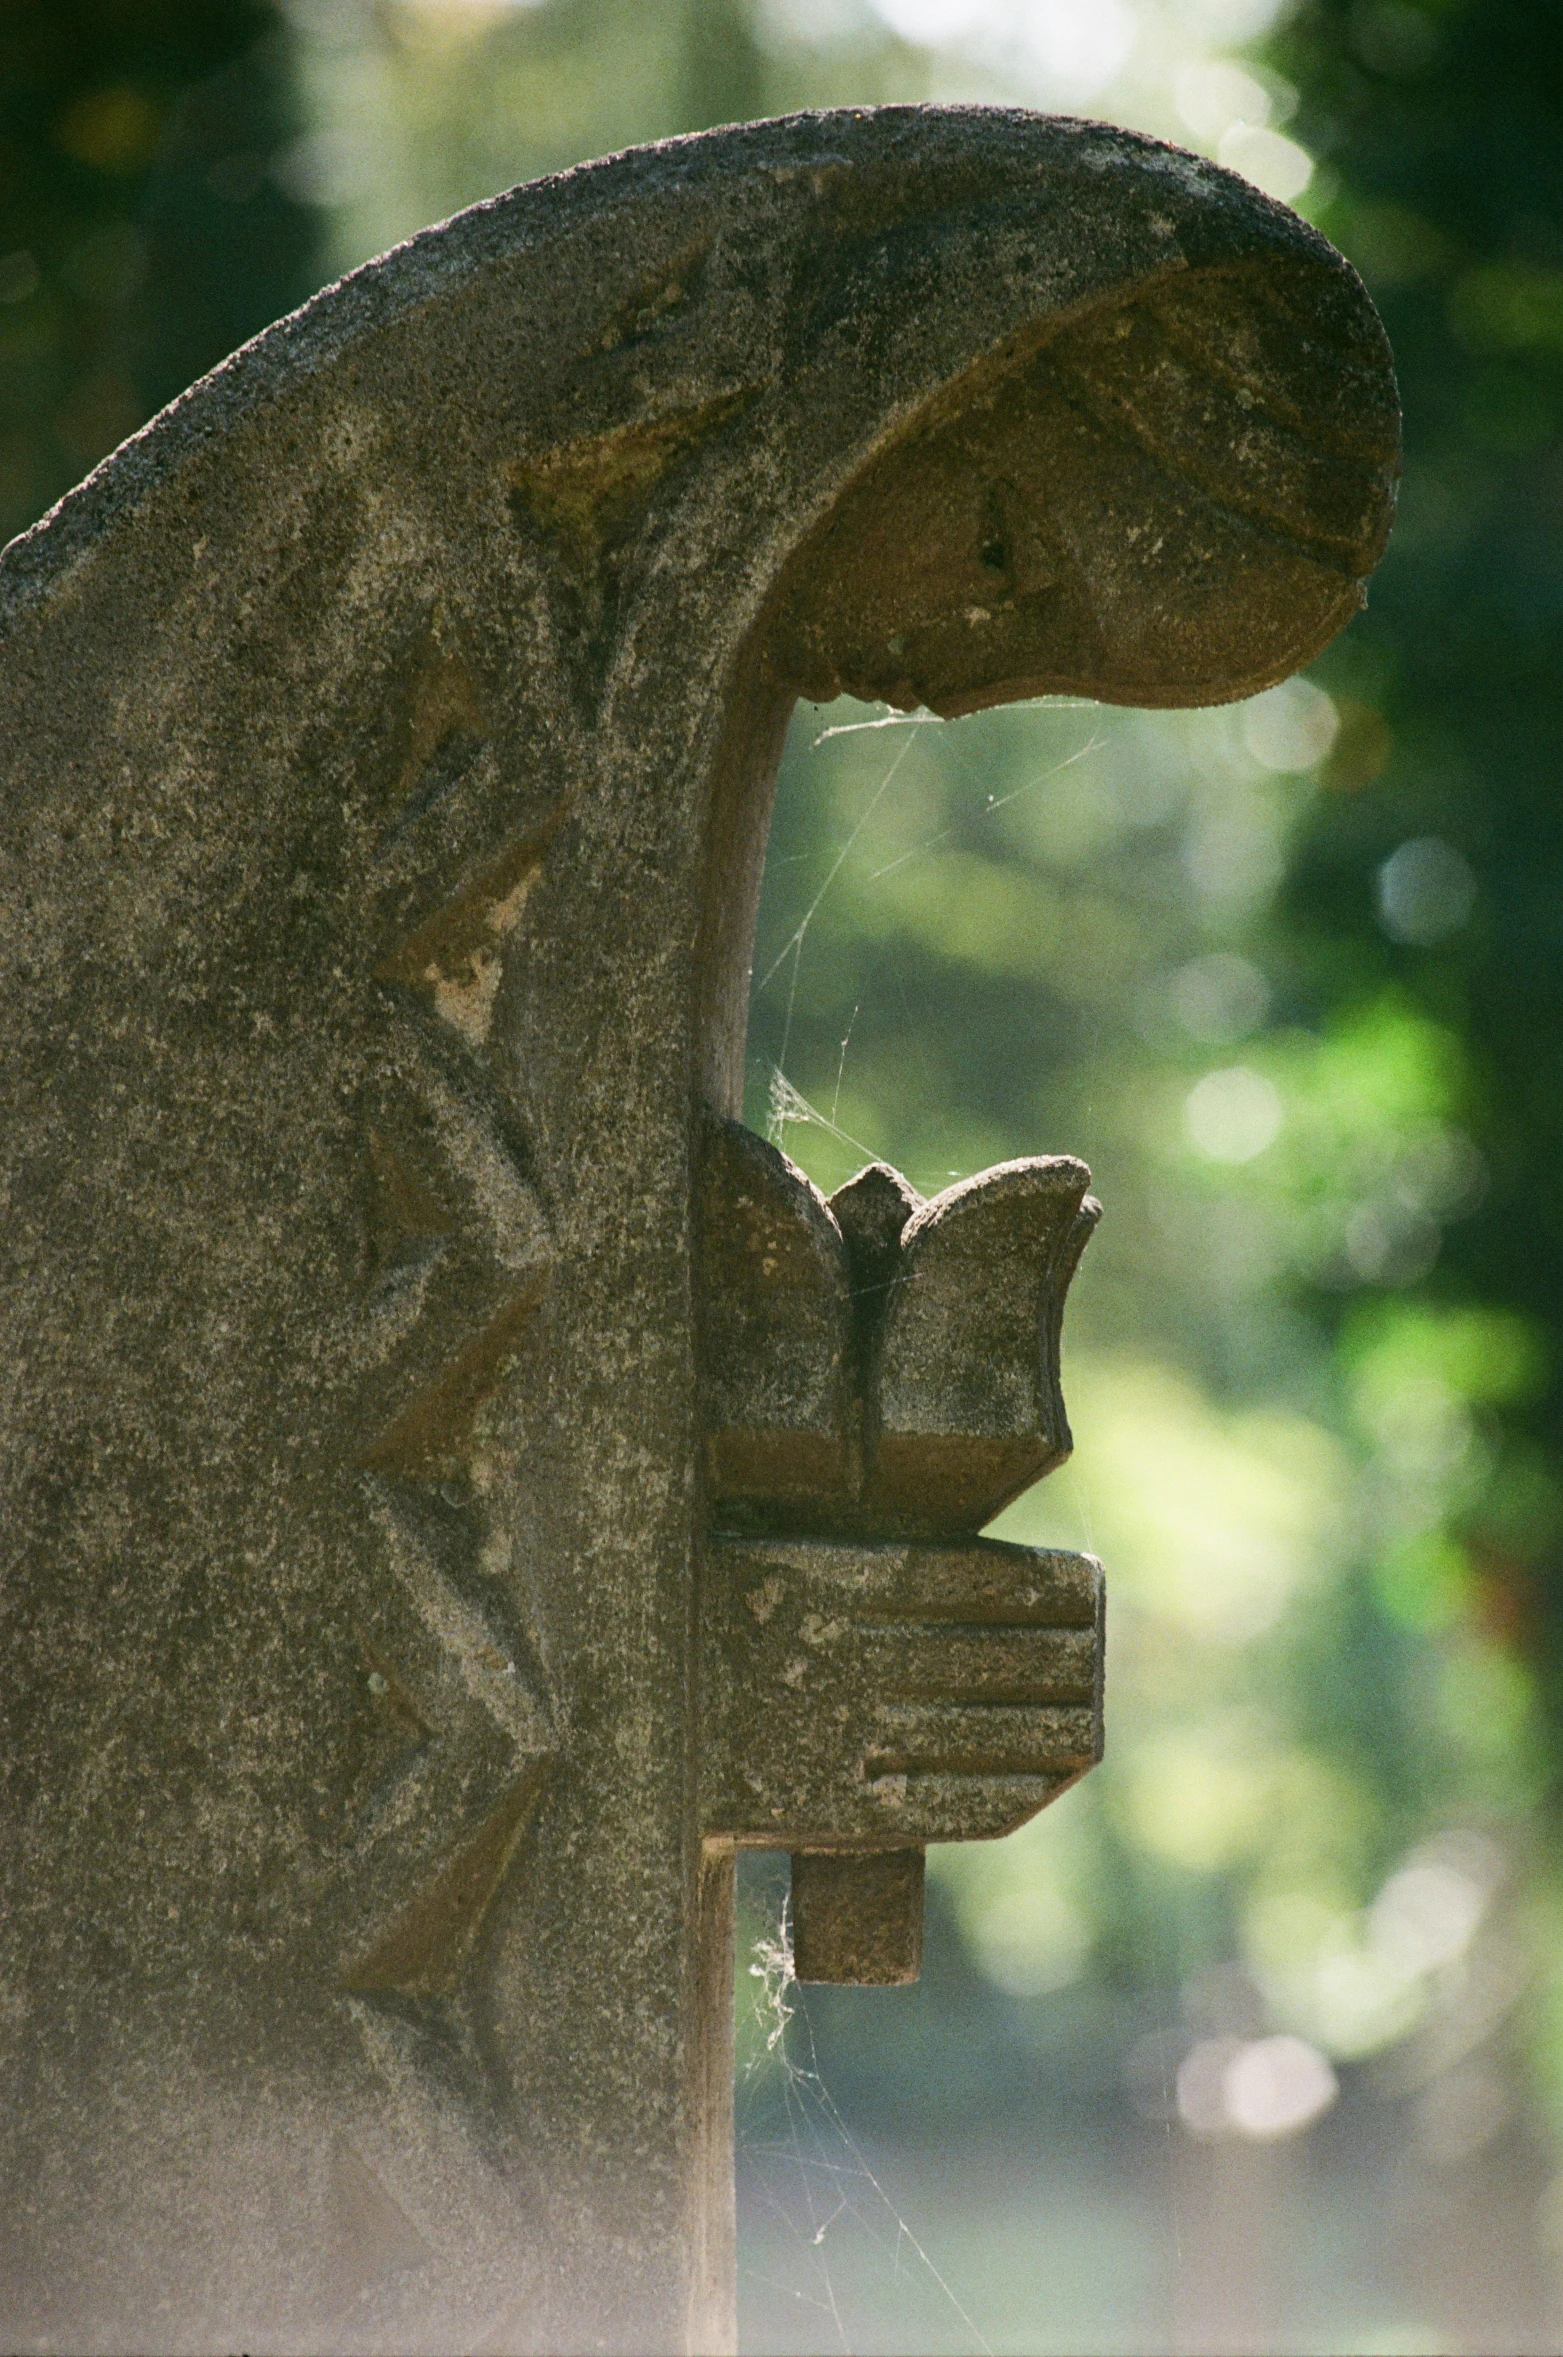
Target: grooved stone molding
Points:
(457, 1484)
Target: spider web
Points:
(827, 2222)
(787, 1106)
(789, 2123)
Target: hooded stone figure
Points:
(395, 1497)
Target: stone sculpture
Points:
(458, 1485)
(879, 1376)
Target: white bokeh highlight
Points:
(1233, 1115)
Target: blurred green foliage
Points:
(1444, 129)
(422, 108)
(144, 228)
(1289, 977)
(1055, 928)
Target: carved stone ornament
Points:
(458, 1484)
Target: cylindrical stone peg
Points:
(857, 1916)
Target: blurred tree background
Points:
(1255, 2040)
(144, 231)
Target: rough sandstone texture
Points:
(387, 735)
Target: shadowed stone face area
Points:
(1145, 504)
(458, 1484)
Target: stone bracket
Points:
(879, 1696)
(878, 1365)
(879, 1376)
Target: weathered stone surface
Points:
(877, 1364)
(858, 1918)
(873, 1368)
(387, 735)
(877, 1696)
